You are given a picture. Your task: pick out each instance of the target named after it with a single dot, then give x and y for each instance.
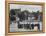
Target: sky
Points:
(30, 8)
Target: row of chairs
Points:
(28, 26)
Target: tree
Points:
(12, 12)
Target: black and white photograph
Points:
(25, 18)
